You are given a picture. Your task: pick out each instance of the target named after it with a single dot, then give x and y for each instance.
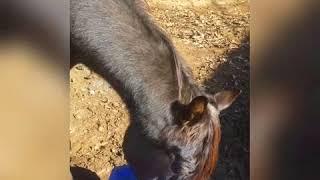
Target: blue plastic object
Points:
(122, 173)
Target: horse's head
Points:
(188, 148)
(196, 137)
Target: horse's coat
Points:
(174, 131)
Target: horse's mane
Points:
(182, 72)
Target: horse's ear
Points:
(196, 108)
(224, 99)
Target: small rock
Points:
(77, 116)
(113, 150)
(87, 77)
(170, 24)
(96, 147)
(100, 128)
(91, 92)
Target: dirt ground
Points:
(213, 36)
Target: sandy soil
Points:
(213, 36)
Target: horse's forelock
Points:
(208, 161)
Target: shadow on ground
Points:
(79, 173)
(234, 73)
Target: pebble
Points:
(91, 92)
(114, 150)
(77, 116)
(100, 128)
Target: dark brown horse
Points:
(175, 130)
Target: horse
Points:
(174, 130)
